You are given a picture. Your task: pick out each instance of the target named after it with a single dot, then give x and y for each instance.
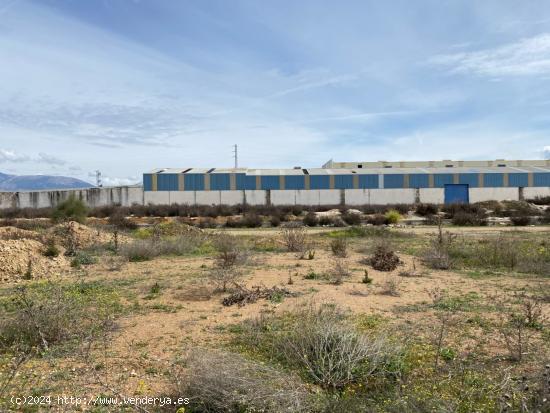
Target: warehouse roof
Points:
(359, 171)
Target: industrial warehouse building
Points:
(336, 183)
(352, 183)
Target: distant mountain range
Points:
(37, 182)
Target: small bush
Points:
(366, 279)
(51, 249)
(294, 238)
(118, 220)
(390, 286)
(219, 381)
(338, 271)
(392, 216)
(426, 209)
(275, 221)
(540, 200)
(72, 209)
(339, 247)
(233, 223)
(322, 344)
(384, 259)
(326, 221)
(47, 314)
(222, 277)
(230, 251)
(82, 258)
(462, 218)
(351, 218)
(377, 219)
(140, 250)
(451, 209)
(437, 256)
(520, 220)
(251, 220)
(311, 219)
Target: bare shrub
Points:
(437, 256)
(391, 286)
(194, 293)
(338, 271)
(351, 218)
(446, 318)
(339, 247)
(140, 250)
(323, 344)
(519, 317)
(384, 258)
(311, 219)
(219, 381)
(294, 238)
(243, 296)
(410, 272)
(230, 251)
(51, 313)
(222, 277)
(118, 220)
(144, 250)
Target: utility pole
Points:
(235, 155)
(98, 182)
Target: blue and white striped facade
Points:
(342, 185)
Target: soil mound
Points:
(24, 258)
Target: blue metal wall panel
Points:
(541, 179)
(343, 181)
(194, 182)
(456, 194)
(220, 182)
(250, 182)
(147, 182)
(518, 179)
(295, 182)
(493, 180)
(440, 180)
(393, 181)
(319, 182)
(419, 181)
(270, 182)
(242, 182)
(167, 182)
(472, 180)
(368, 181)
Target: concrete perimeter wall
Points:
(128, 195)
(93, 197)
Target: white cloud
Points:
(8, 155)
(530, 56)
(114, 181)
(546, 152)
(50, 159)
(12, 156)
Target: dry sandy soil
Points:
(187, 312)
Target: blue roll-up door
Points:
(456, 194)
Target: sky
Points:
(126, 86)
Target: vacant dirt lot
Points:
(157, 307)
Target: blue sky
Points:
(127, 86)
